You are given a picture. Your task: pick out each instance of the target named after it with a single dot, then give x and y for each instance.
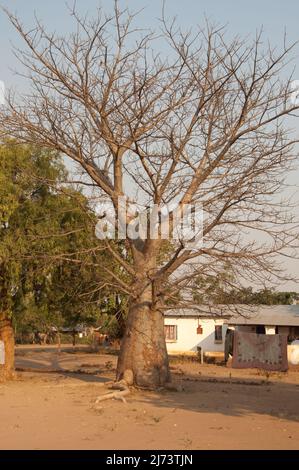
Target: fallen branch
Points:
(118, 395)
(121, 387)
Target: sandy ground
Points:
(219, 407)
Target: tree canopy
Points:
(51, 262)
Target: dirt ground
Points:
(53, 407)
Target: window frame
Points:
(218, 328)
(175, 329)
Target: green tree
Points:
(16, 189)
(53, 268)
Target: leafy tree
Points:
(52, 265)
(215, 291)
(16, 190)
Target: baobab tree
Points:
(201, 121)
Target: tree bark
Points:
(143, 349)
(7, 336)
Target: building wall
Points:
(270, 330)
(187, 338)
(246, 328)
(284, 330)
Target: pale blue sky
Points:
(241, 17)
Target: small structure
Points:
(188, 332)
(271, 320)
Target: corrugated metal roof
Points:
(200, 311)
(276, 315)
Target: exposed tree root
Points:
(121, 390)
(118, 395)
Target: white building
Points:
(187, 330)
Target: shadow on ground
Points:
(202, 393)
(47, 359)
(235, 398)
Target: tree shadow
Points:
(55, 364)
(231, 398)
(22, 350)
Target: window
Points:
(295, 332)
(170, 332)
(260, 330)
(218, 334)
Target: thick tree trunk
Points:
(143, 348)
(7, 336)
